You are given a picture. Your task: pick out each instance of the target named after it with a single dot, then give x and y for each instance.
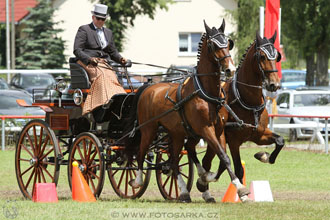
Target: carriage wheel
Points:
(166, 181)
(36, 157)
(119, 178)
(87, 151)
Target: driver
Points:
(93, 46)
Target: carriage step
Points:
(63, 162)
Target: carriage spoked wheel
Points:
(36, 157)
(87, 151)
(166, 181)
(121, 172)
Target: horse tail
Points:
(132, 141)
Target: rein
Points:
(248, 85)
(188, 73)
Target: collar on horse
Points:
(202, 93)
(218, 101)
(256, 109)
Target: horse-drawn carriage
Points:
(66, 136)
(160, 119)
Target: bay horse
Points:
(257, 70)
(196, 102)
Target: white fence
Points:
(317, 127)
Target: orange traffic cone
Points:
(80, 189)
(231, 193)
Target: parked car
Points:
(292, 79)
(306, 103)
(3, 84)
(32, 81)
(9, 105)
(123, 81)
(174, 74)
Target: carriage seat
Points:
(118, 105)
(79, 76)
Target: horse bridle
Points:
(269, 57)
(216, 40)
(259, 108)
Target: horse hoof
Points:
(262, 156)
(201, 186)
(185, 198)
(243, 192)
(246, 199)
(210, 200)
(207, 197)
(133, 184)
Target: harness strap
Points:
(176, 107)
(190, 132)
(216, 100)
(202, 94)
(256, 109)
(239, 99)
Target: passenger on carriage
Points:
(93, 47)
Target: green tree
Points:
(247, 20)
(306, 26)
(39, 45)
(124, 12)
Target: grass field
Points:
(300, 182)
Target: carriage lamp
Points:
(60, 85)
(77, 96)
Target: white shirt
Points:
(100, 34)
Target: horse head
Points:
(267, 56)
(219, 47)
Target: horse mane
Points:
(200, 44)
(244, 55)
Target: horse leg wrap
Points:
(202, 186)
(209, 177)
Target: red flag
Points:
(272, 17)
